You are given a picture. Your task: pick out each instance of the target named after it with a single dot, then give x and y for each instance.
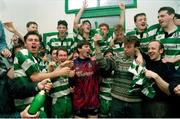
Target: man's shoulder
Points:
(132, 32)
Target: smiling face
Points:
(32, 44)
(165, 19)
(154, 51)
(62, 56)
(141, 23)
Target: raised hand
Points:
(6, 53)
(84, 4)
(10, 27)
(122, 6)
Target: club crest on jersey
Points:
(89, 65)
(160, 36)
(176, 35)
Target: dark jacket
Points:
(10, 89)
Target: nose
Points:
(125, 49)
(149, 50)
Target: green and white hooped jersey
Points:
(105, 88)
(78, 37)
(56, 42)
(171, 43)
(146, 37)
(24, 66)
(60, 88)
(118, 45)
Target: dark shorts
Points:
(86, 112)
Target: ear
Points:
(161, 51)
(79, 49)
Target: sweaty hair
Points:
(30, 23)
(169, 10)
(131, 39)
(137, 15)
(32, 33)
(62, 22)
(104, 24)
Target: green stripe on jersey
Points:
(61, 87)
(56, 42)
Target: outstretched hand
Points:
(45, 85)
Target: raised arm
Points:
(122, 15)
(104, 63)
(79, 14)
(10, 27)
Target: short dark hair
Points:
(104, 24)
(86, 21)
(169, 10)
(32, 33)
(107, 51)
(177, 16)
(62, 22)
(31, 22)
(53, 50)
(14, 49)
(132, 39)
(137, 15)
(81, 43)
(63, 49)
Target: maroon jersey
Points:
(86, 81)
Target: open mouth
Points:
(88, 28)
(160, 22)
(33, 47)
(143, 25)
